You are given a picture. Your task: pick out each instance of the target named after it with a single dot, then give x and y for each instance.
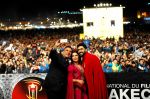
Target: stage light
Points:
(107, 4)
(110, 4)
(75, 22)
(101, 4)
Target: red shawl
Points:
(95, 77)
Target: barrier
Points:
(128, 85)
(120, 85)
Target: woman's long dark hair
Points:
(79, 61)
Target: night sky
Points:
(33, 8)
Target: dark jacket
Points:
(56, 80)
(2, 69)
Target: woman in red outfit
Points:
(76, 88)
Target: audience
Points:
(26, 51)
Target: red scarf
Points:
(95, 77)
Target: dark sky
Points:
(33, 8)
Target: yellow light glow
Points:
(138, 16)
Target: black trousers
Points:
(56, 93)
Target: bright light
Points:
(138, 16)
(148, 18)
(68, 21)
(81, 10)
(127, 22)
(94, 5)
(101, 4)
(48, 19)
(107, 4)
(1, 24)
(144, 14)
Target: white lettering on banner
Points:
(118, 86)
(145, 85)
(124, 93)
(135, 85)
(135, 94)
(143, 92)
(113, 94)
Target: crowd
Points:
(22, 50)
(27, 51)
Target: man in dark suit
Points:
(55, 82)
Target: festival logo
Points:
(29, 88)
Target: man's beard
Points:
(81, 54)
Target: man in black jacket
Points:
(55, 82)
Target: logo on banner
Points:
(34, 86)
(29, 88)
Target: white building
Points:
(103, 22)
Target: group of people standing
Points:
(80, 78)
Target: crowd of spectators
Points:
(22, 51)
